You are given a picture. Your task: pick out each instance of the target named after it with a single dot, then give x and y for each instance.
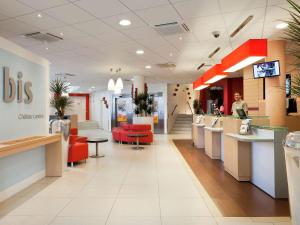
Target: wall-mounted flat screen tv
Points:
(266, 69)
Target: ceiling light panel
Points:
(158, 15)
(40, 5)
(44, 22)
(68, 31)
(93, 27)
(69, 14)
(196, 8)
(143, 4)
(13, 8)
(228, 6)
(102, 9)
(15, 26)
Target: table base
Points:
(137, 147)
(97, 156)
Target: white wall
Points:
(105, 121)
(180, 100)
(18, 119)
(96, 102)
(78, 107)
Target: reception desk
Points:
(257, 157)
(214, 137)
(53, 151)
(198, 135)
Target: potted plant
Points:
(292, 35)
(144, 108)
(61, 103)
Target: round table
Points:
(137, 137)
(96, 140)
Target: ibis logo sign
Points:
(19, 88)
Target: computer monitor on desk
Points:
(291, 106)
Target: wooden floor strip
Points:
(233, 198)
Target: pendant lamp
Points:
(119, 84)
(111, 85)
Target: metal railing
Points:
(190, 107)
(174, 110)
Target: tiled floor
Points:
(126, 187)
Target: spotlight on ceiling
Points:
(125, 22)
(282, 25)
(140, 52)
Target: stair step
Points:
(180, 132)
(88, 125)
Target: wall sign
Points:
(13, 88)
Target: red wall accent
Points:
(87, 102)
(230, 86)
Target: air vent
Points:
(173, 28)
(65, 75)
(240, 27)
(166, 65)
(43, 37)
(214, 52)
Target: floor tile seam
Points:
(57, 214)
(72, 199)
(118, 193)
(195, 181)
(158, 187)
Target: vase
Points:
(62, 127)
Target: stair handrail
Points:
(190, 107)
(174, 110)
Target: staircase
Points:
(183, 124)
(88, 125)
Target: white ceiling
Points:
(94, 42)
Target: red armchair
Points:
(120, 134)
(78, 147)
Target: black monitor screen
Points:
(266, 69)
(288, 84)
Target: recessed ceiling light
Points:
(47, 48)
(124, 22)
(171, 54)
(140, 52)
(282, 25)
(39, 15)
(180, 38)
(148, 67)
(61, 34)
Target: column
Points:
(275, 87)
(139, 83)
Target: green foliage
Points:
(197, 107)
(143, 104)
(59, 87)
(296, 86)
(293, 35)
(58, 101)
